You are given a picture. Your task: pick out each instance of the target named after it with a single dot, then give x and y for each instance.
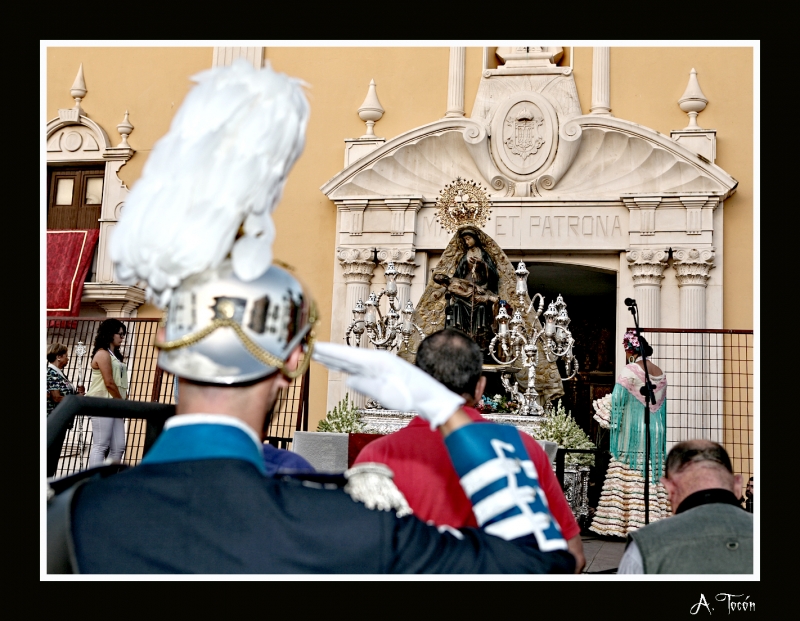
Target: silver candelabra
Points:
(389, 332)
(516, 340)
(80, 352)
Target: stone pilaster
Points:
(358, 266)
(455, 82)
(647, 270)
(601, 103)
(692, 268)
(403, 259)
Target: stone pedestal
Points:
(327, 452)
(388, 421)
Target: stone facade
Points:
(569, 185)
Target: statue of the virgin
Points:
(472, 279)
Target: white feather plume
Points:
(222, 165)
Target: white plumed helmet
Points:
(221, 329)
(197, 228)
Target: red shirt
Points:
(424, 473)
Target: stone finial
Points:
(371, 110)
(78, 90)
(125, 128)
(693, 100)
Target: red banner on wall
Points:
(69, 256)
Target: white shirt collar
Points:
(212, 419)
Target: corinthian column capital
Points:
(647, 265)
(357, 264)
(403, 259)
(693, 265)
(396, 255)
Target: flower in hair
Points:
(630, 340)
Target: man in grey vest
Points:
(709, 533)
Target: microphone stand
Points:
(649, 397)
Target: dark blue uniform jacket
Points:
(222, 514)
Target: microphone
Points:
(630, 302)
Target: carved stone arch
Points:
(61, 147)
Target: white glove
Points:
(390, 380)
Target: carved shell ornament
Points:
(462, 202)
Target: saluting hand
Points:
(390, 380)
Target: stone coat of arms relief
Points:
(524, 139)
(524, 135)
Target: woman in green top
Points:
(110, 381)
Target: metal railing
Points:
(709, 396)
(709, 388)
(148, 382)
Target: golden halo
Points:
(462, 202)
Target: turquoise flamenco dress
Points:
(621, 506)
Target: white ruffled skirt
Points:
(621, 506)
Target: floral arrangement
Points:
(602, 411)
(497, 404)
(559, 426)
(344, 418)
(630, 341)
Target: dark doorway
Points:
(591, 298)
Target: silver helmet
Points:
(223, 330)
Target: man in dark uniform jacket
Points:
(201, 500)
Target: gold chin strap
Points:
(259, 353)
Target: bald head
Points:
(696, 465)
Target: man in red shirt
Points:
(418, 457)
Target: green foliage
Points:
(344, 418)
(560, 427)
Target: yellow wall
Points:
(339, 79)
(645, 86)
(412, 87)
(149, 82)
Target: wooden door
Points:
(75, 197)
